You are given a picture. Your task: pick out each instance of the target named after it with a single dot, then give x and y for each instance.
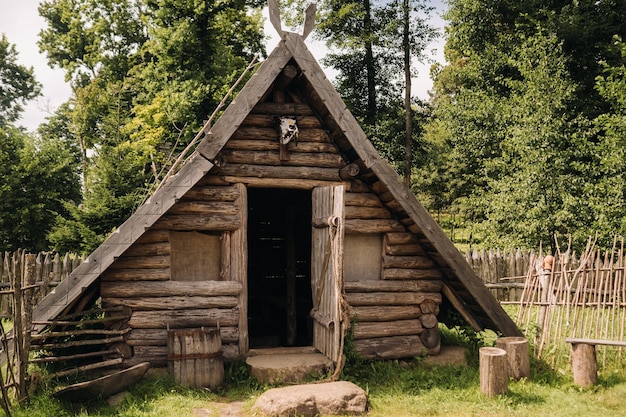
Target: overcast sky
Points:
(21, 23)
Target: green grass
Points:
(394, 388)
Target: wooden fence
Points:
(505, 272)
(50, 269)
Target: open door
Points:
(326, 268)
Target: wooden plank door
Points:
(326, 268)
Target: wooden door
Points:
(326, 268)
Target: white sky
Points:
(21, 23)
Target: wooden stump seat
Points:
(584, 364)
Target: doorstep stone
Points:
(288, 367)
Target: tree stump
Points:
(494, 371)
(517, 355)
(584, 365)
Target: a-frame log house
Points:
(282, 244)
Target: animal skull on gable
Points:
(288, 130)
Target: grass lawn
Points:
(395, 389)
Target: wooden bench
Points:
(584, 364)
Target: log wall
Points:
(141, 277)
(396, 315)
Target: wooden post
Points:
(584, 365)
(494, 372)
(517, 356)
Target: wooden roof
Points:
(462, 287)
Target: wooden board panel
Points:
(326, 269)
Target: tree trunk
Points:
(408, 130)
(369, 65)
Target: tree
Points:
(608, 193)
(38, 176)
(374, 47)
(512, 116)
(145, 74)
(17, 83)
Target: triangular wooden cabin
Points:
(282, 244)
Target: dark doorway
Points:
(279, 267)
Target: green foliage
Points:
(145, 74)
(518, 138)
(17, 84)
(37, 178)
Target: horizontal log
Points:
(270, 171)
(407, 262)
(158, 337)
(85, 342)
(403, 238)
(212, 193)
(78, 332)
(296, 184)
(390, 347)
(141, 262)
(274, 146)
(349, 171)
(362, 199)
(89, 367)
(283, 109)
(204, 207)
(361, 212)
(131, 274)
(170, 288)
(327, 160)
(429, 307)
(372, 226)
(157, 355)
(184, 318)
(369, 330)
(148, 249)
(384, 313)
(605, 342)
(428, 321)
(153, 236)
(198, 222)
(49, 359)
(391, 298)
(262, 120)
(393, 286)
(399, 273)
(173, 302)
(408, 249)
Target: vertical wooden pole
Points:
(494, 371)
(239, 266)
(518, 356)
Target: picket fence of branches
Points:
(50, 270)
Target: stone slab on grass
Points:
(308, 400)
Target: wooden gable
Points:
(241, 150)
